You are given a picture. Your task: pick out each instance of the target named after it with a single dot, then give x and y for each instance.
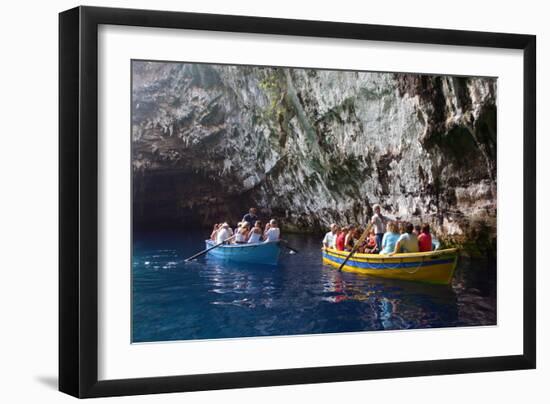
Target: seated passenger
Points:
(436, 244)
(255, 235)
(401, 227)
(224, 233)
(330, 238)
(241, 237)
(237, 228)
(350, 240)
(214, 232)
(372, 243)
(272, 232)
(407, 242)
(341, 239)
(390, 239)
(368, 246)
(425, 238)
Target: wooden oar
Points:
(356, 246)
(285, 243)
(208, 249)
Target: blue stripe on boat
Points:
(391, 265)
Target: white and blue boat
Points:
(266, 253)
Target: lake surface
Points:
(205, 299)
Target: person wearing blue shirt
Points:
(390, 239)
(250, 217)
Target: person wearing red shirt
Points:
(341, 239)
(425, 238)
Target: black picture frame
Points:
(78, 203)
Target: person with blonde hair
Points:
(390, 238)
(255, 235)
(241, 236)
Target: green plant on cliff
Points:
(274, 87)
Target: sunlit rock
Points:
(313, 147)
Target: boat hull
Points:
(266, 253)
(432, 267)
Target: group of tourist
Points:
(385, 236)
(248, 231)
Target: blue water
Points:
(205, 299)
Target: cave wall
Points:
(312, 147)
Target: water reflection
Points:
(238, 284)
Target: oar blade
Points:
(292, 249)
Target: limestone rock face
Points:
(313, 147)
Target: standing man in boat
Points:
(250, 217)
(379, 221)
(330, 238)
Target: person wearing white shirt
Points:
(330, 238)
(379, 223)
(255, 235)
(223, 233)
(272, 232)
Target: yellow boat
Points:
(433, 267)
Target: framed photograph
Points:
(251, 201)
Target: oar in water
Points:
(356, 246)
(285, 243)
(208, 249)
